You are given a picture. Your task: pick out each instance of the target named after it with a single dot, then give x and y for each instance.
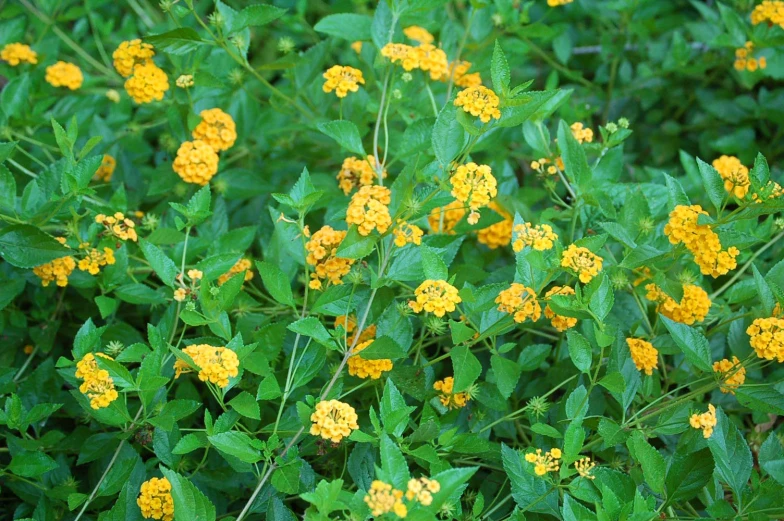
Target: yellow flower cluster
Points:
(362, 368)
(582, 261)
(349, 323)
(94, 260)
(539, 237)
(368, 209)
(407, 233)
(693, 307)
(155, 499)
(700, 240)
(584, 467)
(447, 397)
(333, 420)
(149, 83)
(196, 162)
(480, 102)
(421, 490)
(544, 462)
(118, 225)
(735, 175)
(444, 219)
(474, 185)
(541, 165)
(581, 134)
(462, 78)
(418, 34)
(321, 254)
(217, 129)
(644, 355)
(106, 170)
(556, 3)
(767, 338)
(383, 499)
(184, 81)
(435, 296)
(57, 270)
(16, 53)
(357, 172)
(520, 302)
(64, 74)
(130, 54)
(559, 322)
(705, 421)
(215, 364)
(732, 374)
(498, 234)
(769, 11)
(426, 57)
(402, 53)
(98, 385)
(745, 61)
(342, 80)
(239, 266)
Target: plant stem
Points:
(740, 272)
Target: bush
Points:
(422, 259)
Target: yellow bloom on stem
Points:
(382, 499)
(342, 79)
(700, 240)
(16, 53)
(28, 349)
(435, 296)
(195, 275)
(462, 78)
(184, 81)
(770, 12)
(368, 209)
(356, 172)
(196, 162)
(544, 462)
(321, 249)
(106, 170)
(401, 53)
(333, 420)
(118, 226)
(149, 83)
(155, 499)
(95, 260)
(407, 233)
(56, 271)
(705, 421)
(520, 302)
(215, 364)
(448, 398)
(445, 218)
(480, 102)
(582, 262)
(559, 322)
(421, 490)
(732, 374)
(180, 294)
(767, 338)
(418, 34)
(556, 3)
(644, 355)
(498, 234)
(540, 237)
(239, 266)
(130, 54)
(432, 60)
(362, 368)
(357, 46)
(217, 129)
(735, 175)
(64, 74)
(581, 134)
(584, 467)
(693, 307)
(97, 384)
(474, 185)
(349, 323)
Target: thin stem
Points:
(379, 166)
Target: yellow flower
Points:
(95, 260)
(770, 11)
(357, 172)
(148, 83)
(28, 349)
(581, 134)
(180, 294)
(349, 323)
(342, 80)
(556, 3)
(539, 237)
(559, 322)
(498, 234)
(368, 209)
(362, 368)
(113, 96)
(448, 398)
(97, 384)
(130, 54)
(16, 53)
(746, 62)
(418, 34)
(382, 499)
(584, 467)
(195, 275)
(520, 302)
(357, 46)
(407, 233)
(480, 102)
(155, 499)
(196, 162)
(333, 420)
(544, 462)
(215, 364)
(444, 219)
(474, 185)
(705, 421)
(734, 174)
(57, 270)
(432, 60)
(700, 240)
(406, 55)
(693, 307)
(118, 226)
(767, 338)
(459, 72)
(217, 129)
(106, 170)
(435, 296)
(771, 190)
(64, 74)
(644, 355)
(239, 266)
(732, 374)
(421, 490)
(184, 81)
(321, 249)
(582, 261)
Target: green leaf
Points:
(312, 327)
(653, 465)
(346, 26)
(771, 458)
(286, 479)
(276, 282)
(574, 511)
(383, 347)
(355, 245)
(579, 350)
(257, 15)
(433, 265)
(466, 367)
(713, 184)
(448, 136)
(189, 502)
(694, 345)
(326, 496)
(163, 266)
(236, 444)
(766, 398)
(346, 134)
(15, 95)
(575, 162)
(394, 411)
(507, 373)
(602, 297)
(173, 411)
(179, 41)
(730, 452)
(26, 246)
(190, 442)
(528, 491)
(245, 404)
(393, 464)
(688, 473)
(499, 71)
(31, 464)
(546, 430)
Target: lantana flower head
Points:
(369, 209)
(480, 102)
(342, 79)
(435, 296)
